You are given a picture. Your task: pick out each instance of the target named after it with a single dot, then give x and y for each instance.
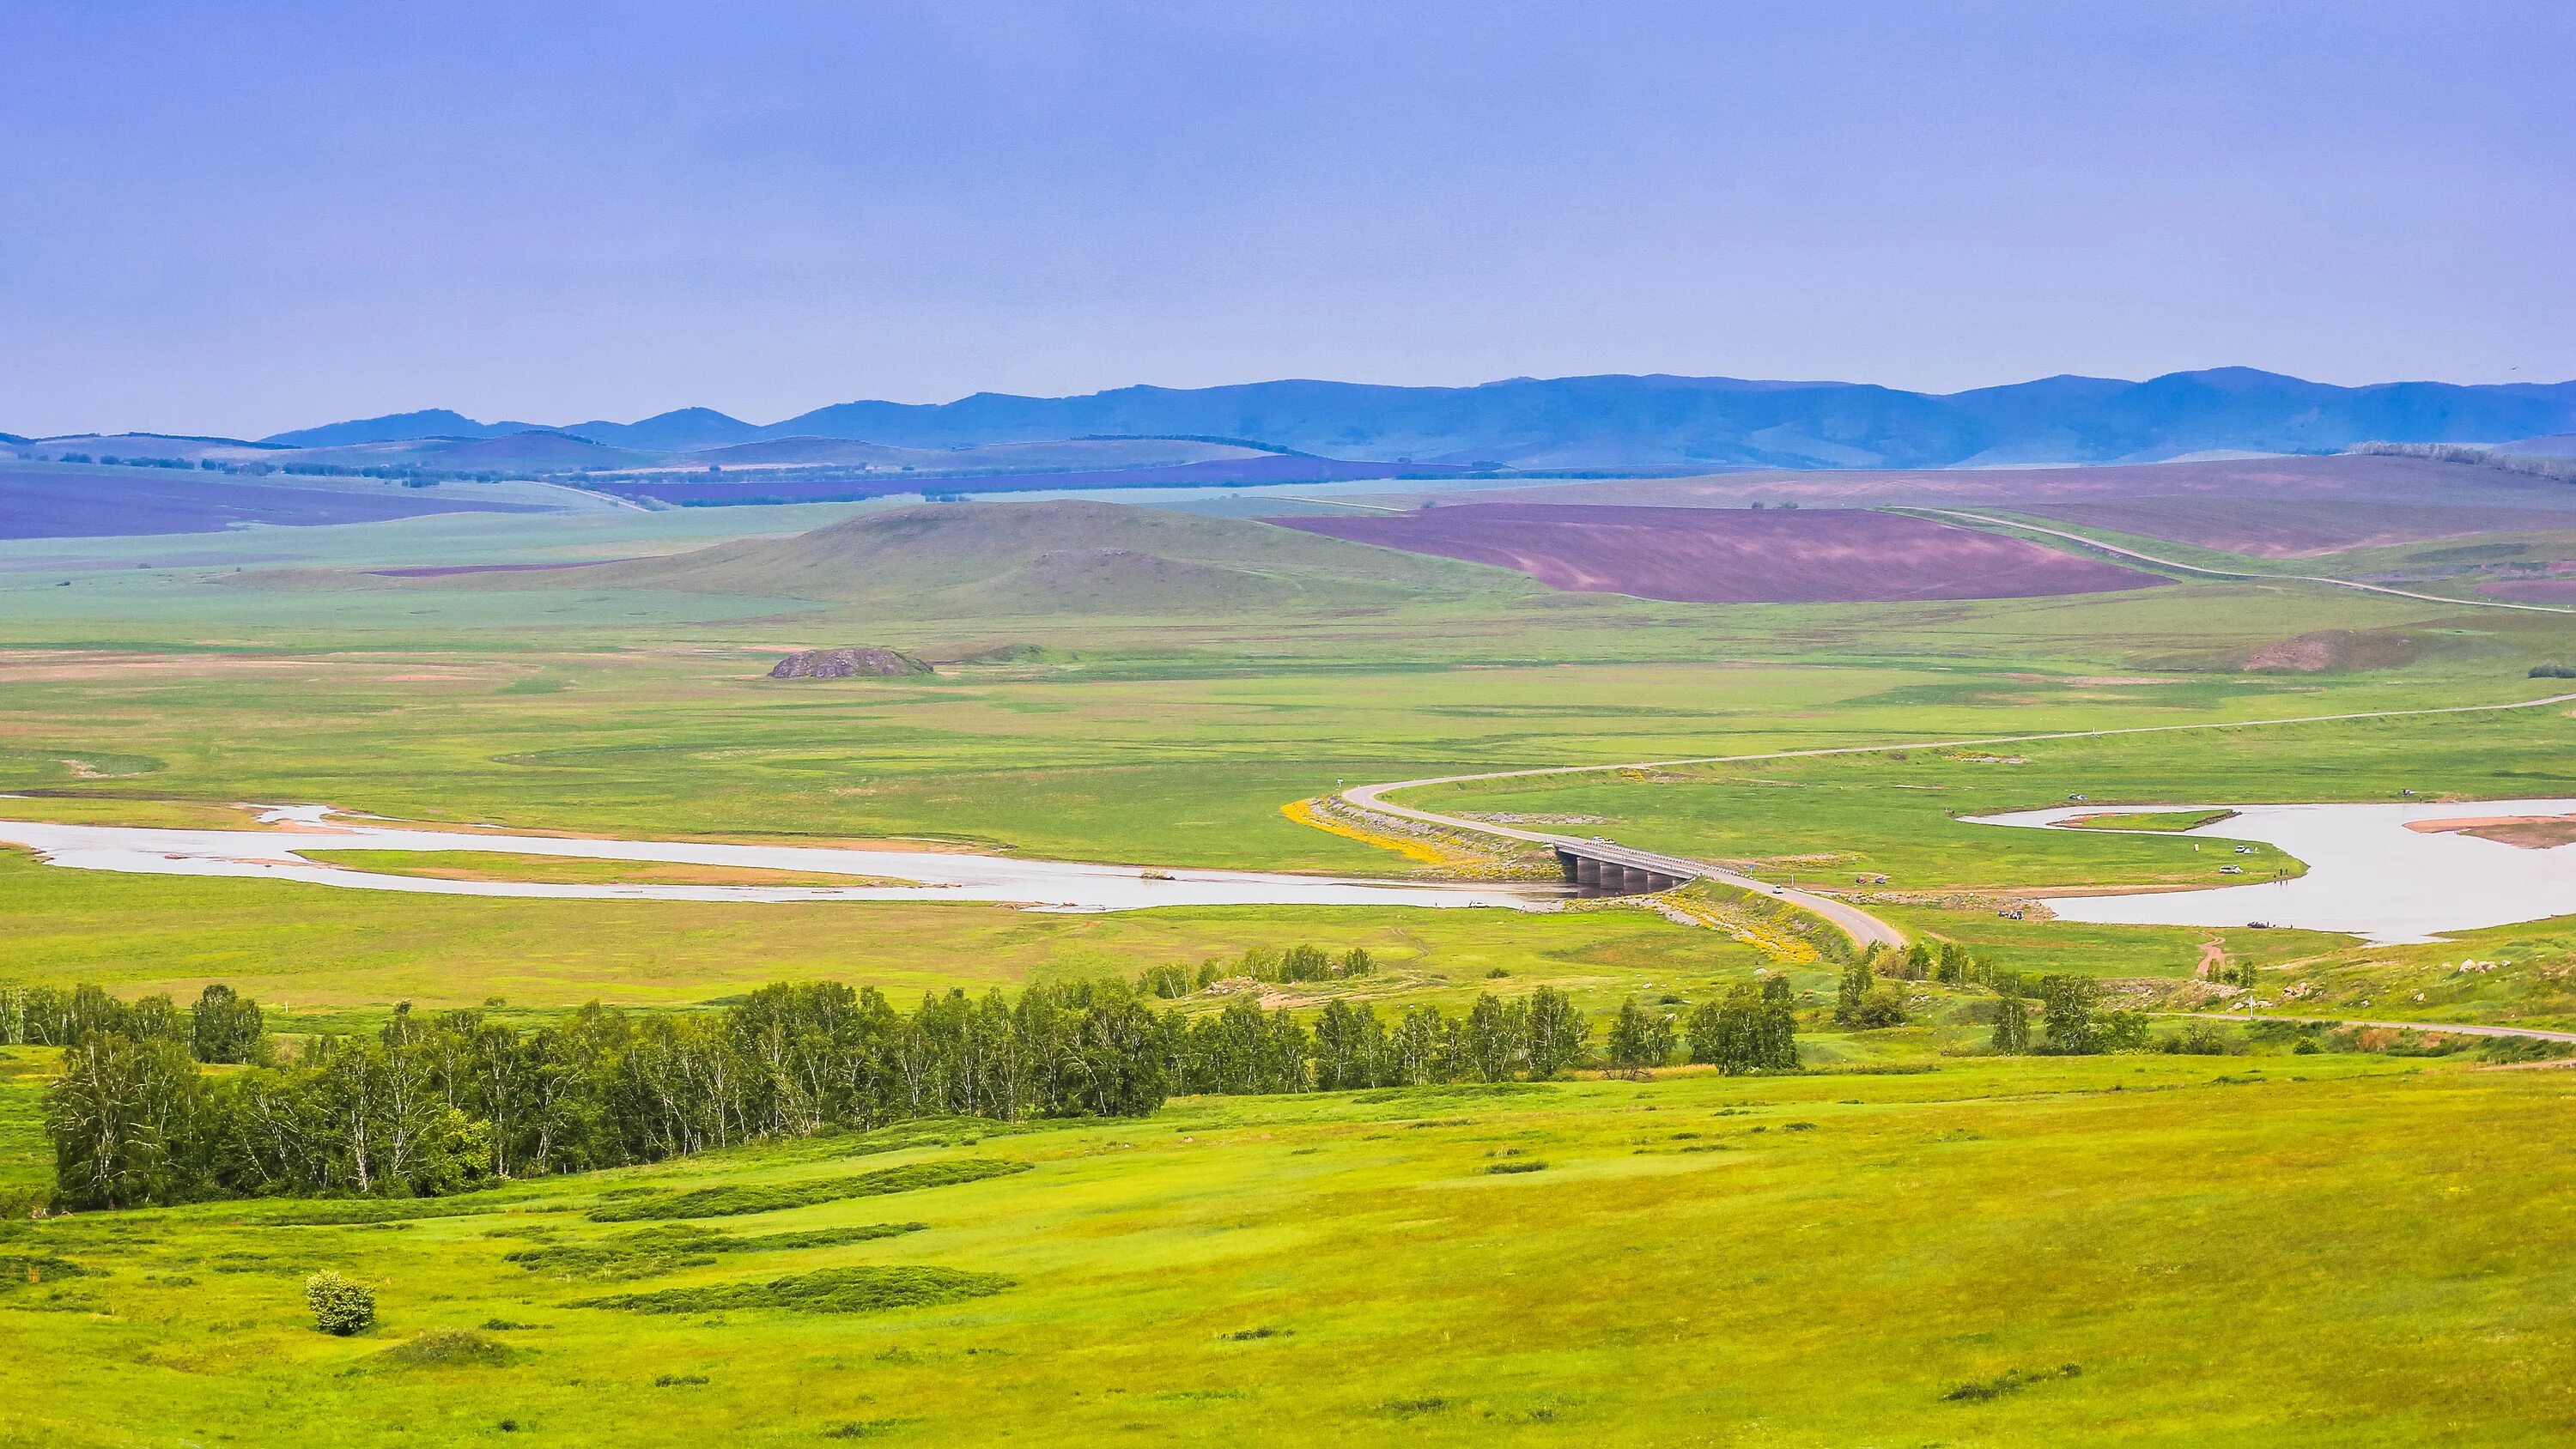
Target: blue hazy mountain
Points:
(395, 428)
(684, 430)
(1651, 421)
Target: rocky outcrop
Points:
(847, 664)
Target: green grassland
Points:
(2323, 1248)
(2270, 1250)
(335, 951)
(2154, 820)
(484, 865)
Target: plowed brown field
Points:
(1736, 556)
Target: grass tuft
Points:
(2011, 1381)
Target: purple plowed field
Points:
(35, 503)
(708, 490)
(1736, 556)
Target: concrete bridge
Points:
(1621, 871)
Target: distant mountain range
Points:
(1651, 421)
(1657, 423)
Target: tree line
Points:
(433, 1103)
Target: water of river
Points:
(2368, 874)
(1045, 885)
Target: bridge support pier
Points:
(1604, 872)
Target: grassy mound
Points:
(447, 1348)
(734, 1201)
(1052, 558)
(833, 1290)
(668, 1249)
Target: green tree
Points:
(1775, 1046)
(1640, 1037)
(1704, 1033)
(1956, 967)
(2066, 1013)
(225, 1027)
(1416, 1050)
(2120, 1031)
(123, 1116)
(1492, 1041)
(1851, 993)
(1752, 1029)
(1168, 983)
(1305, 963)
(1349, 1044)
(2012, 1025)
(1559, 1036)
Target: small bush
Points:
(1509, 1167)
(339, 1306)
(2012, 1381)
(2523, 1049)
(2202, 1039)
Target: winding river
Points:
(1043, 885)
(2369, 874)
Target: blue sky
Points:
(245, 217)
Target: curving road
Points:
(1865, 929)
(1860, 925)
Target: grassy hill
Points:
(1058, 557)
(2162, 1250)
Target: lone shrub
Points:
(339, 1306)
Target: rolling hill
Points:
(1058, 557)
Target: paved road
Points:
(1859, 924)
(1865, 929)
(2232, 574)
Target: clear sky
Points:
(243, 217)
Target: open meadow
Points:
(2223, 1233)
(2312, 1249)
